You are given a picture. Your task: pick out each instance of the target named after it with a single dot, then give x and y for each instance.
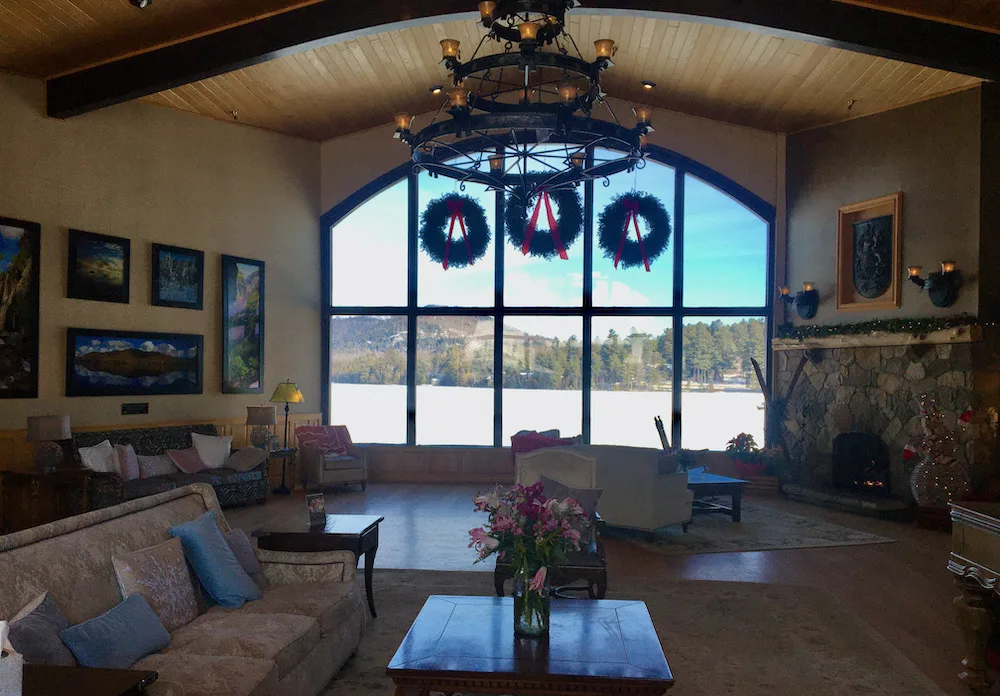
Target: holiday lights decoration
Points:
(940, 478)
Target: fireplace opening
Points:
(861, 463)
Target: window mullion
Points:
(411, 310)
(678, 316)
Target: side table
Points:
(43, 680)
(284, 455)
(31, 498)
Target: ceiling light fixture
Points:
(436, 89)
(521, 120)
(648, 85)
(141, 4)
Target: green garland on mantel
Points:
(915, 326)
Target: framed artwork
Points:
(19, 263)
(242, 325)
(869, 254)
(98, 267)
(178, 277)
(127, 363)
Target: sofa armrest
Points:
(291, 568)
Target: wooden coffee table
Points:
(709, 486)
(467, 645)
(43, 680)
(355, 533)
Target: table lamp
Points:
(45, 432)
(261, 417)
(286, 393)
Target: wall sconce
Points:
(403, 122)
(806, 302)
(942, 287)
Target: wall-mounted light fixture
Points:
(942, 286)
(806, 302)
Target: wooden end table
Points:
(43, 680)
(467, 645)
(355, 533)
(710, 485)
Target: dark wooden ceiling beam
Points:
(828, 22)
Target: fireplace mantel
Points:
(971, 333)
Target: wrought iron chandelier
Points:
(521, 120)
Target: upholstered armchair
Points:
(328, 456)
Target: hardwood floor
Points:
(902, 590)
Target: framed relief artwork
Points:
(178, 277)
(19, 263)
(126, 363)
(869, 254)
(242, 325)
(98, 267)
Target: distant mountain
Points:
(134, 363)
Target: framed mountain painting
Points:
(242, 325)
(98, 267)
(19, 263)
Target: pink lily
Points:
(538, 581)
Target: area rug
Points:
(719, 638)
(762, 529)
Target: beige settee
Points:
(293, 640)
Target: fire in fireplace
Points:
(861, 463)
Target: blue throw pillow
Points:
(118, 638)
(217, 568)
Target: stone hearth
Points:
(874, 390)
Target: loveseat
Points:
(231, 487)
(292, 641)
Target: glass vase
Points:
(531, 607)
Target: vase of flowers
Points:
(532, 532)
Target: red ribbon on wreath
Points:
(529, 232)
(455, 209)
(631, 216)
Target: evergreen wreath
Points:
(569, 220)
(437, 220)
(611, 229)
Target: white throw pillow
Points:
(101, 458)
(213, 450)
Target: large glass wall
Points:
(471, 354)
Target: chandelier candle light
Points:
(527, 109)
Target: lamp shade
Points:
(48, 428)
(287, 393)
(261, 415)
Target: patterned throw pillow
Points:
(246, 459)
(156, 465)
(187, 460)
(128, 462)
(323, 439)
(159, 574)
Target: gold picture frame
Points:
(849, 298)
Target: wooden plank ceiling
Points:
(730, 75)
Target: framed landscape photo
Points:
(869, 254)
(19, 264)
(132, 363)
(242, 325)
(178, 277)
(98, 267)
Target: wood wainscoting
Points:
(16, 451)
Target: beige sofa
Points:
(641, 489)
(293, 640)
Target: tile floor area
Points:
(903, 590)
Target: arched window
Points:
(421, 354)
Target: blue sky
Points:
(725, 256)
(9, 238)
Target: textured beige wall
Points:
(931, 152)
(752, 158)
(158, 175)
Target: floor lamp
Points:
(286, 393)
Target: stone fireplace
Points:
(876, 390)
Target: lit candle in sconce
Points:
(458, 97)
(643, 115)
(486, 9)
(784, 290)
(808, 286)
(578, 159)
(528, 31)
(947, 266)
(605, 48)
(450, 48)
(567, 92)
(496, 164)
(403, 121)
(915, 271)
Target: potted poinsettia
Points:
(533, 532)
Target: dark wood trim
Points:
(828, 22)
